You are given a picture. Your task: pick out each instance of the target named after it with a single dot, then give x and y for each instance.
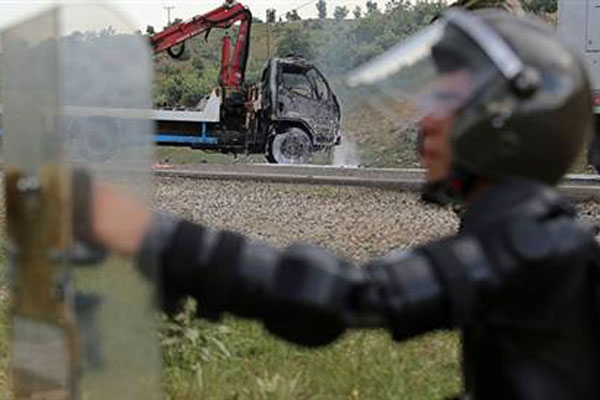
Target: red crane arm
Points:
(232, 73)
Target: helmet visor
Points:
(437, 71)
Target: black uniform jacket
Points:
(538, 338)
(518, 281)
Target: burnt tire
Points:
(293, 146)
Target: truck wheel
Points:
(293, 146)
(96, 138)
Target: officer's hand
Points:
(119, 220)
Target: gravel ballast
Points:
(356, 223)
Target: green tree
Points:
(372, 7)
(184, 88)
(293, 15)
(295, 41)
(198, 63)
(357, 12)
(271, 16)
(322, 9)
(540, 6)
(340, 13)
(108, 32)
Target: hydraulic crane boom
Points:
(232, 68)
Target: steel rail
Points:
(574, 186)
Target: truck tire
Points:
(96, 138)
(292, 146)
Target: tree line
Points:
(336, 45)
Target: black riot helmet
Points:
(520, 99)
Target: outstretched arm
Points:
(303, 293)
(309, 296)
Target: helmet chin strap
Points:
(454, 188)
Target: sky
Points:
(152, 12)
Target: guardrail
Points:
(574, 186)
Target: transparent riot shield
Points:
(76, 97)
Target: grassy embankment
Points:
(237, 360)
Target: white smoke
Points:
(346, 154)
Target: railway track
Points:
(574, 186)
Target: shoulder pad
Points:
(533, 240)
(530, 240)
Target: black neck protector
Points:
(452, 189)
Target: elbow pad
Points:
(406, 289)
(435, 286)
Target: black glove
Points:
(312, 293)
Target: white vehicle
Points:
(579, 25)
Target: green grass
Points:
(237, 359)
(182, 155)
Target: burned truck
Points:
(290, 114)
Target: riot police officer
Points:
(505, 109)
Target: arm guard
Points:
(301, 293)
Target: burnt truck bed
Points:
(193, 128)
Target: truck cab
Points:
(301, 111)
